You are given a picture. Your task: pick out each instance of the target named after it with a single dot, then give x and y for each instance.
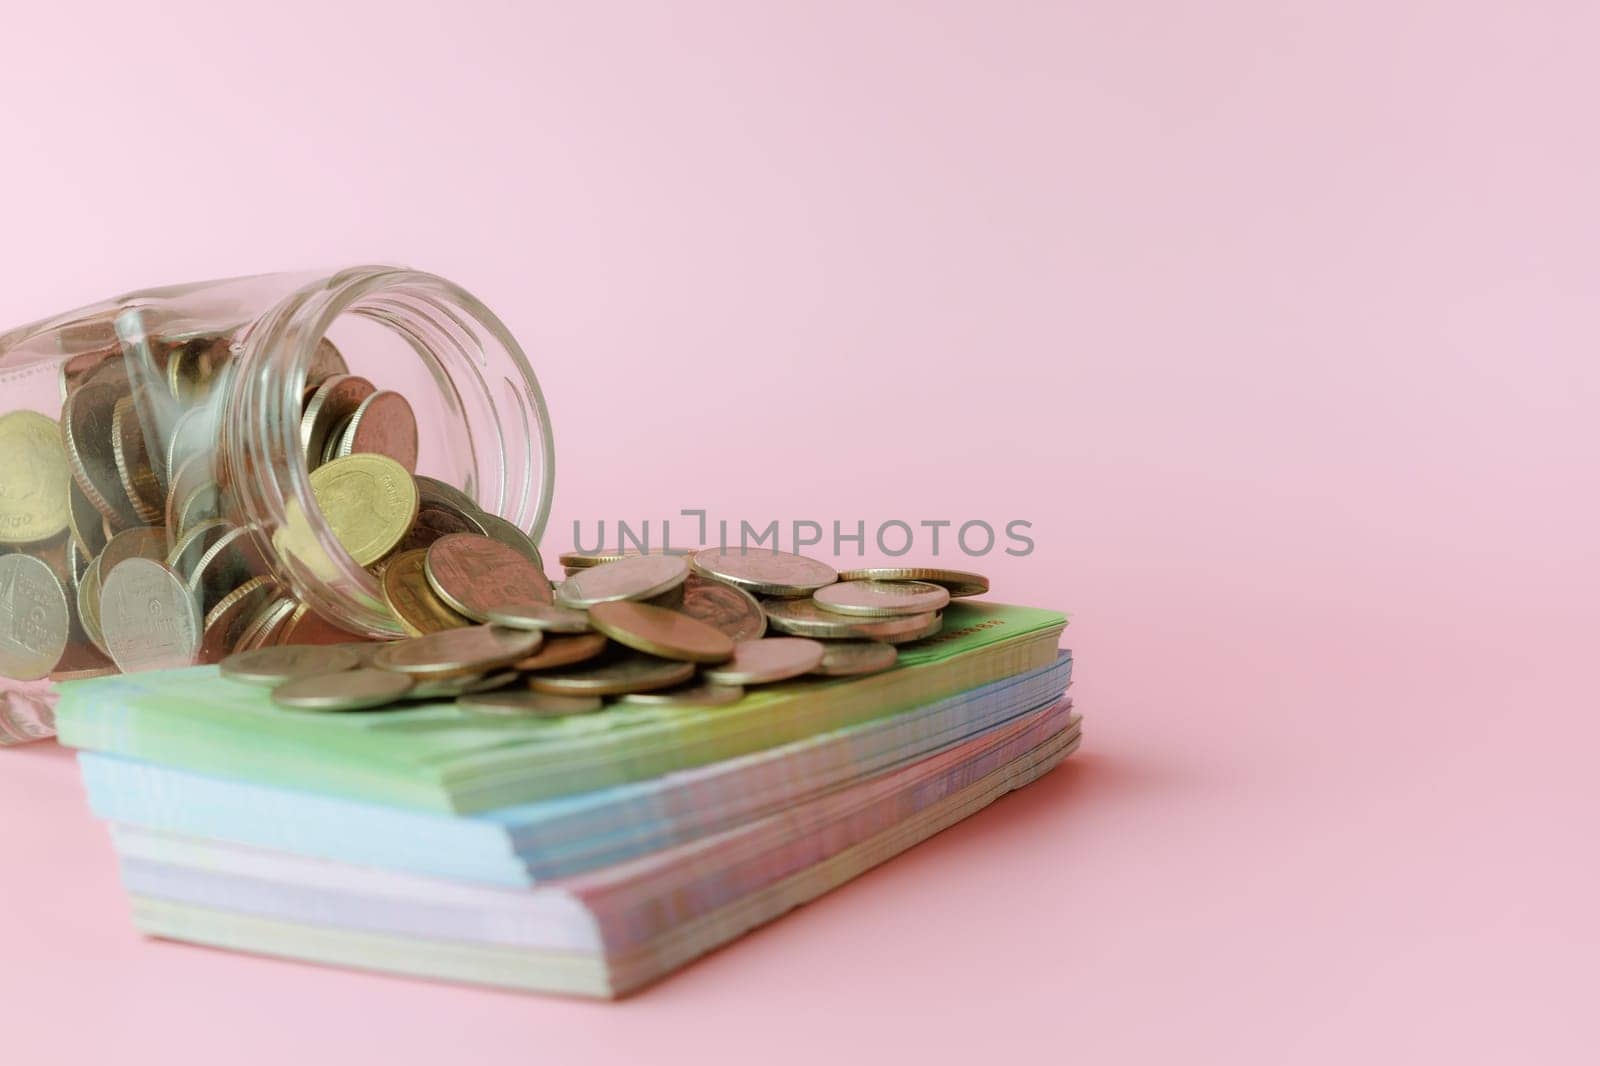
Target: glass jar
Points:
(182, 425)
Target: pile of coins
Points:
(121, 545)
(494, 635)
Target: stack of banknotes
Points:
(590, 854)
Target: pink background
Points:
(1276, 320)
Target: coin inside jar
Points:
(760, 662)
(352, 690)
(35, 619)
(473, 574)
(35, 504)
(882, 599)
(330, 404)
(637, 577)
(384, 424)
(370, 502)
(765, 573)
(478, 649)
(276, 666)
(149, 618)
(411, 598)
(661, 632)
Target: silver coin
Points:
(637, 577)
(352, 690)
(544, 617)
(34, 618)
(331, 403)
(853, 658)
(727, 607)
(277, 666)
(149, 618)
(766, 573)
(804, 618)
(523, 704)
(760, 662)
(694, 696)
(882, 599)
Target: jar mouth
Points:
(503, 450)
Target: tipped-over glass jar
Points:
(169, 461)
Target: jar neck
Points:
(496, 433)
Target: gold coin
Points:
(350, 690)
(564, 651)
(882, 599)
(475, 574)
(614, 675)
(853, 658)
(369, 501)
(34, 475)
(89, 608)
(276, 666)
(958, 582)
(476, 650)
(804, 618)
(760, 662)
(528, 705)
(658, 631)
(413, 601)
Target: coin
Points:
(326, 361)
(191, 547)
(226, 622)
(135, 474)
(474, 574)
(369, 501)
(958, 582)
(445, 494)
(34, 618)
(511, 536)
(581, 560)
(234, 559)
(413, 601)
(637, 577)
(87, 524)
(851, 658)
(449, 688)
(149, 618)
(34, 476)
(693, 696)
(882, 599)
(193, 496)
(261, 630)
(477, 649)
(658, 631)
(804, 618)
(275, 666)
(350, 690)
(766, 573)
(86, 431)
(331, 403)
(528, 705)
(545, 617)
(760, 662)
(364, 651)
(618, 673)
(306, 626)
(140, 542)
(384, 424)
(564, 651)
(728, 607)
(434, 523)
(89, 607)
